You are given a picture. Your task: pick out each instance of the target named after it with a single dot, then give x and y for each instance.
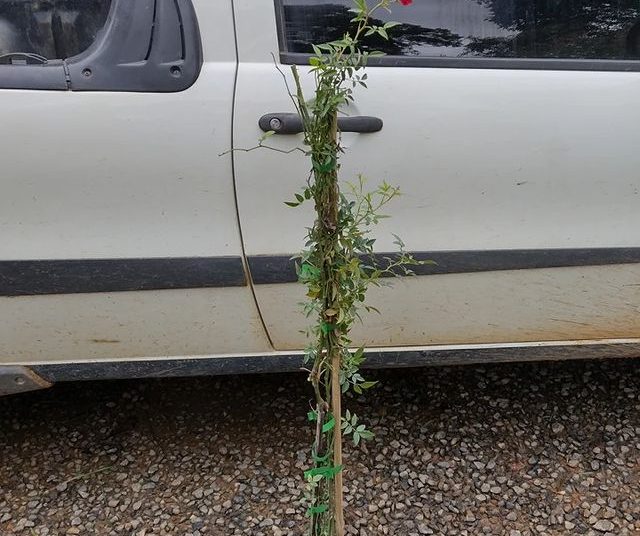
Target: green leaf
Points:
(325, 167)
(291, 204)
(372, 309)
(314, 510)
(398, 241)
(328, 426)
(312, 416)
(328, 471)
(326, 328)
(266, 135)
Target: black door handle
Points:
(290, 123)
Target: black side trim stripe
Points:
(39, 277)
(28, 278)
(268, 269)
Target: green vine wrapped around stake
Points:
(337, 265)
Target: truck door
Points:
(118, 228)
(511, 127)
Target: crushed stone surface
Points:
(505, 449)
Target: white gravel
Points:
(516, 450)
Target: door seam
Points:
(245, 262)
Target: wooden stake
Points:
(336, 358)
(336, 409)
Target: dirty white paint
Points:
(123, 325)
(600, 302)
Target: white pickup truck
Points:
(129, 247)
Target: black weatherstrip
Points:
(273, 269)
(537, 64)
(37, 277)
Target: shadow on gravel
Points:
(516, 449)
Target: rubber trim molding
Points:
(293, 58)
(38, 277)
(29, 278)
(273, 269)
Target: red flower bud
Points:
(406, 2)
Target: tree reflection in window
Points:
(570, 29)
(53, 29)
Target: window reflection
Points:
(580, 29)
(50, 28)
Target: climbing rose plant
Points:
(337, 265)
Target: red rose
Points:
(406, 2)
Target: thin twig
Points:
(286, 83)
(262, 146)
(81, 476)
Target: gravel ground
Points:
(503, 449)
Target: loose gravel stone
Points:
(603, 525)
(513, 450)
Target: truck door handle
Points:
(290, 123)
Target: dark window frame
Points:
(101, 66)
(541, 64)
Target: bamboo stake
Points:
(336, 408)
(336, 356)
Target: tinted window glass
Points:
(570, 29)
(50, 28)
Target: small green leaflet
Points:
(326, 327)
(314, 510)
(326, 471)
(308, 271)
(328, 165)
(327, 426)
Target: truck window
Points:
(50, 29)
(479, 29)
(99, 45)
